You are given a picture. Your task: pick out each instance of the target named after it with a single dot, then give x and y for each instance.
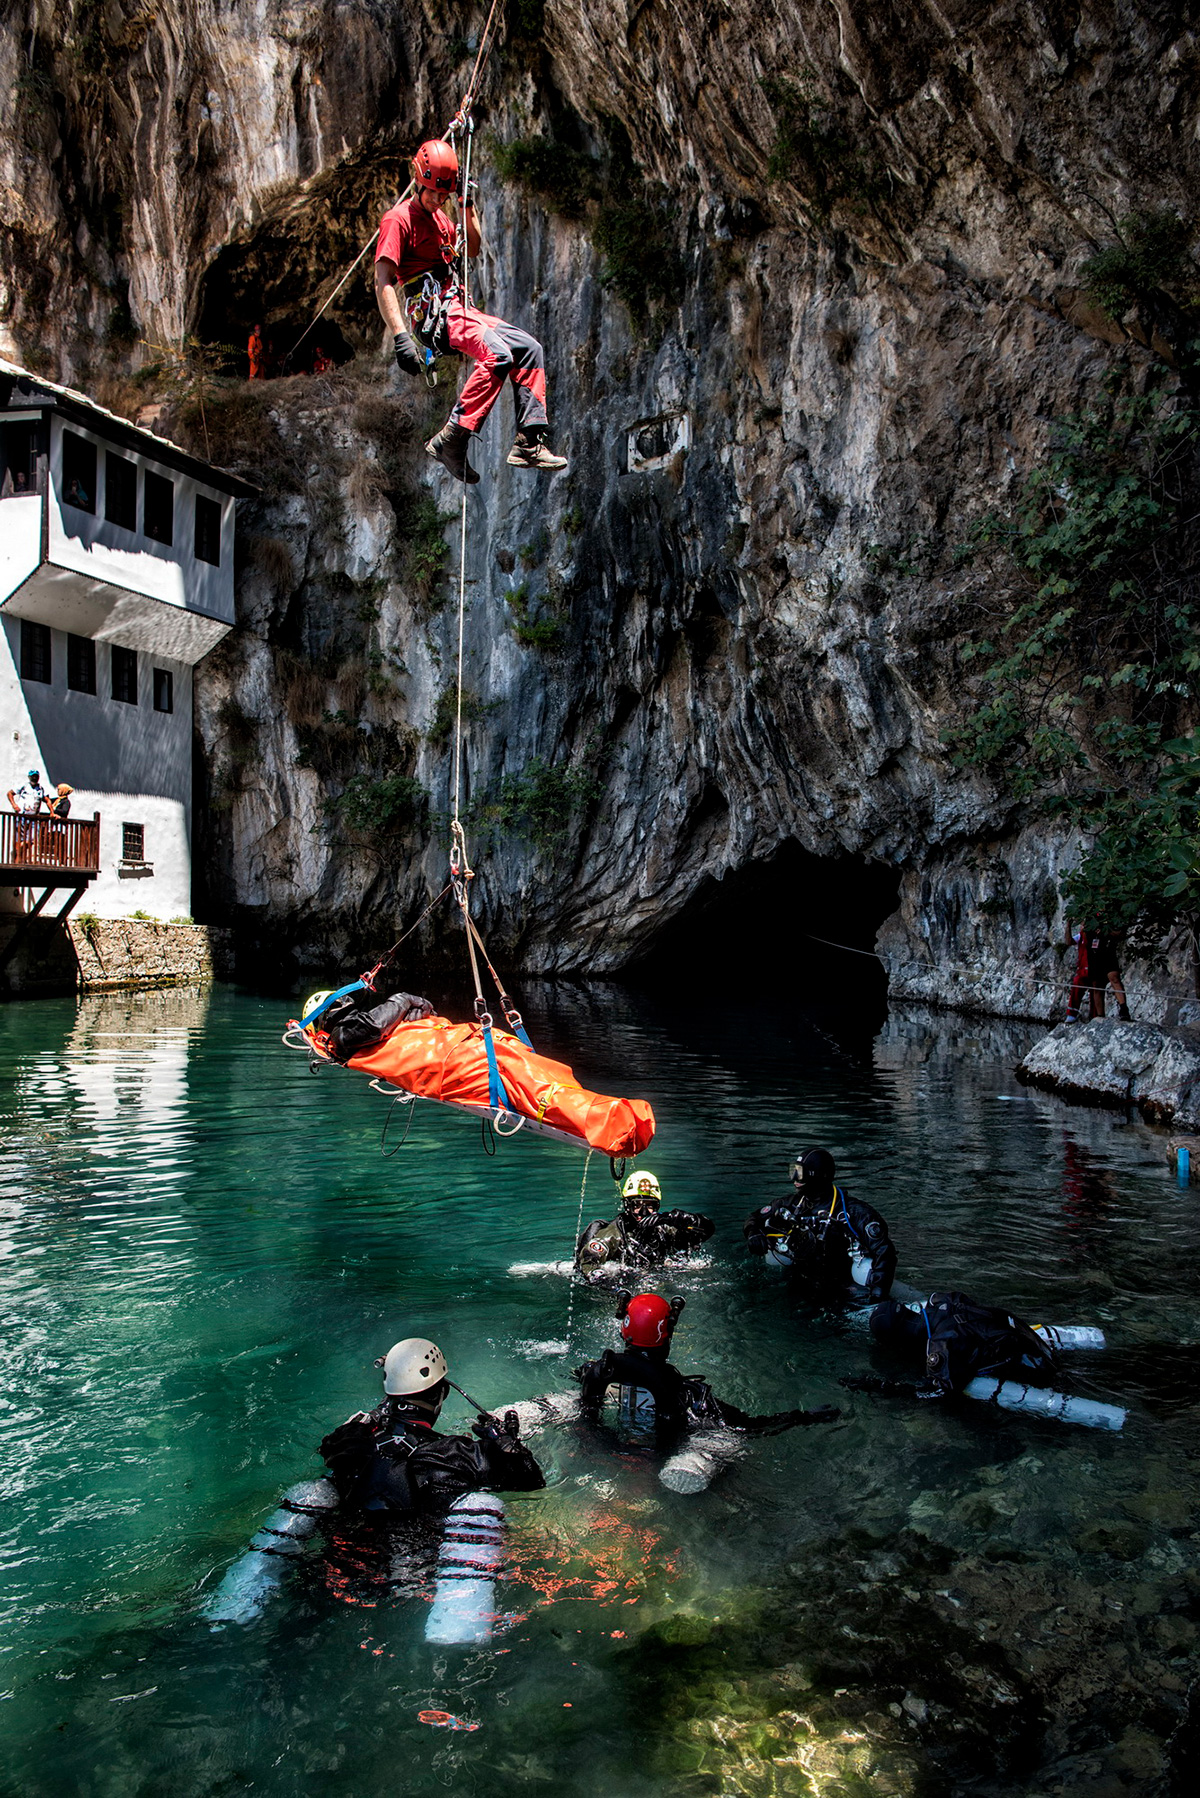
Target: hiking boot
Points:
(530, 450)
(449, 448)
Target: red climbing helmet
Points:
(648, 1321)
(436, 166)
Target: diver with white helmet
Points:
(390, 1461)
(641, 1235)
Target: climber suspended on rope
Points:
(424, 301)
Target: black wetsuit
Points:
(823, 1235)
(390, 1463)
(678, 1401)
(961, 1340)
(640, 1243)
(362, 1020)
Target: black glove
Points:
(873, 1382)
(501, 1435)
(933, 1389)
(468, 194)
(409, 359)
(756, 1244)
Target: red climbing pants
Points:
(500, 352)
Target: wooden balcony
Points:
(40, 851)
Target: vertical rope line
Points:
(578, 1233)
(462, 548)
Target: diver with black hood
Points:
(958, 1340)
(828, 1238)
(389, 1461)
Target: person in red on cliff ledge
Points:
(416, 284)
(256, 354)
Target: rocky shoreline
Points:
(1127, 1066)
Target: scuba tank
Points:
(1070, 1336)
(464, 1597)
(248, 1584)
(1043, 1402)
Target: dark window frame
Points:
(81, 660)
(73, 447)
(133, 842)
(164, 682)
(158, 508)
(37, 652)
(126, 518)
(125, 660)
(207, 535)
(15, 462)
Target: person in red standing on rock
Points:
(256, 353)
(1096, 968)
(416, 283)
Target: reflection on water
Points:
(202, 1251)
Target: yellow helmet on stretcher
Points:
(313, 1003)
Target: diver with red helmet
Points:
(647, 1390)
(416, 285)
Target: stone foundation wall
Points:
(112, 955)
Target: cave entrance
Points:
(761, 927)
(244, 288)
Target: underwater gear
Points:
(814, 1170)
(642, 1183)
(388, 1463)
(248, 1584)
(464, 1596)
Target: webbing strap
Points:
(355, 986)
(497, 1097)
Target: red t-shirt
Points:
(415, 240)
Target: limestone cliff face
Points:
(745, 583)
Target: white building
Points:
(116, 577)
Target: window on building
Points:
(164, 690)
(81, 664)
(79, 472)
(158, 507)
(208, 530)
(120, 491)
(35, 650)
(18, 459)
(124, 675)
(133, 842)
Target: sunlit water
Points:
(203, 1251)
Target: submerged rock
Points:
(1107, 1062)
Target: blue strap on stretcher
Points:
(497, 1097)
(355, 986)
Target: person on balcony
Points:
(27, 801)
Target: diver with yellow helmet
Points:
(642, 1235)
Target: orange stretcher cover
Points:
(439, 1060)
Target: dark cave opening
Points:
(244, 287)
(798, 922)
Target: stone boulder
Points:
(1106, 1062)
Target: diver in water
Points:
(360, 1021)
(389, 1462)
(959, 1340)
(647, 1389)
(641, 1235)
(830, 1240)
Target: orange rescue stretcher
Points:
(432, 1058)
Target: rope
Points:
(578, 1233)
(462, 556)
(456, 123)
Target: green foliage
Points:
(640, 261)
(815, 150)
(474, 711)
(565, 180)
(531, 630)
(382, 808)
(89, 923)
(1084, 683)
(542, 803)
(1151, 253)
(188, 374)
(423, 529)
(573, 521)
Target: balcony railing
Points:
(43, 851)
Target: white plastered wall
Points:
(130, 763)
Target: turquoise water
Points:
(203, 1251)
